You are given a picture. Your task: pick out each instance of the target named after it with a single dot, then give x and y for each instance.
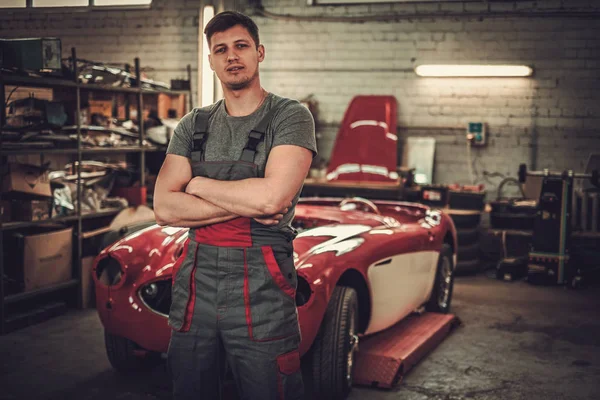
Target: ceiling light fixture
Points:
(473, 70)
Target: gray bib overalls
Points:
(233, 296)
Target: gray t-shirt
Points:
(227, 136)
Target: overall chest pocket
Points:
(269, 293)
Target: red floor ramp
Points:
(384, 358)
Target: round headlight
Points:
(150, 291)
(157, 296)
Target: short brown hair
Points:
(228, 19)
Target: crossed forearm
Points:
(188, 211)
(250, 197)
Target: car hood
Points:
(155, 249)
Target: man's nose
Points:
(232, 56)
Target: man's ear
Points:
(261, 52)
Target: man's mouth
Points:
(234, 69)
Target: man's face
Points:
(234, 57)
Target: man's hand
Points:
(274, 219)
(194, 186)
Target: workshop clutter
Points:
(27, 195)
(47, 119)
(62, 113)
(464, 204)
(33, 193)
(44, 124)
(455, 196)
(100, 181)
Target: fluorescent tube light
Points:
(473, 70)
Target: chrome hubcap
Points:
(352, 348)
(445, 283)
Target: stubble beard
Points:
(242, 84)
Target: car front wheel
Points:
(335, 346)
(122, 355)
(441, 294)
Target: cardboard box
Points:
(26, 179)
(31, 210)
(39, 257)
(103, 107)
(88, 294)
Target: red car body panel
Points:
(148, 255)
(366, 145)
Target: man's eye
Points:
(220, 50)
(242, 45)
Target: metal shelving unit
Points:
(79, 152)
(90, 150)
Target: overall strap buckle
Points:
(249, 152)
(200, 135)
(257, 135)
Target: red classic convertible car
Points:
(362, 266)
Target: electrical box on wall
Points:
(476, 134)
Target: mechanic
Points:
(233, 174)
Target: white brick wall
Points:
(165, 37)
(556, 112)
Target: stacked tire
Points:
(467, 230)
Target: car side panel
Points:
(397, 287)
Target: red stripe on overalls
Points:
(281, 282)
(276, 272)
(189, 309)
(234, 233)
(180, 260)
(247, 297)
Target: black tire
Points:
(120, 352)
(333, 344)
(441, 294)
(465, 219)
(468, 253)
(467, 267)
(467, 237)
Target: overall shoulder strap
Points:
(201, 132)
(257, 134)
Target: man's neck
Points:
(240, 103)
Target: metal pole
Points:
(2, 159)
(140, 107)
(190, 100)
(574, 208)
(126, 104)
(79, 244)
(584, 211)
(594, 201)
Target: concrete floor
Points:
(516, 341)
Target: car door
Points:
(397, 280)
